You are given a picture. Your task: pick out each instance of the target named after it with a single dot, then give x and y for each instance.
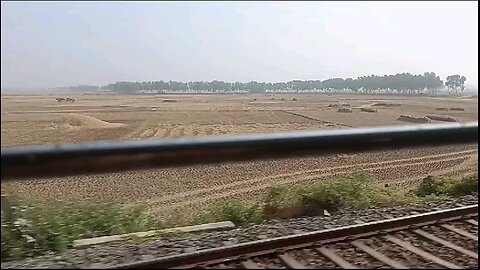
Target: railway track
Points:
(440, 239)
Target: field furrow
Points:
(181, 192)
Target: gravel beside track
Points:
(440, 251)
(115, 253)
(398, 254)
(356, 256)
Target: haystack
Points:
(344, 110)
(385, 104)
(413, 119)
(368, 109)
(170, 100)
(85, 121)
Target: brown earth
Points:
(29, 119)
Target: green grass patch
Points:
(43, 227)
(448, 186)
(355, 191)
(351, 191)
(238, 212)
(287, 201)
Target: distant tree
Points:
(455, 83)
(433, 82)
(402, 83)
(462, 83)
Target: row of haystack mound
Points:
(443, 118)
(451, 109)
(426, 119)
(335, 105)
(344, 110)
(386, 104)
(345, 107)
(368, 109)
(413, 119)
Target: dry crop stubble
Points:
(38, 120)
(192, 188)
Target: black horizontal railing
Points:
(101, 157)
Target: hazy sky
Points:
(60, 44)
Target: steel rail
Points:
(282, 244)
(101, 157)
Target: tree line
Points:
(400, 83)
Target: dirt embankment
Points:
(85, 121)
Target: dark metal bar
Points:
(101, 157)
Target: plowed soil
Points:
(29, 119)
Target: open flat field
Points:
(40, 119)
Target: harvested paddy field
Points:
(28, 120)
